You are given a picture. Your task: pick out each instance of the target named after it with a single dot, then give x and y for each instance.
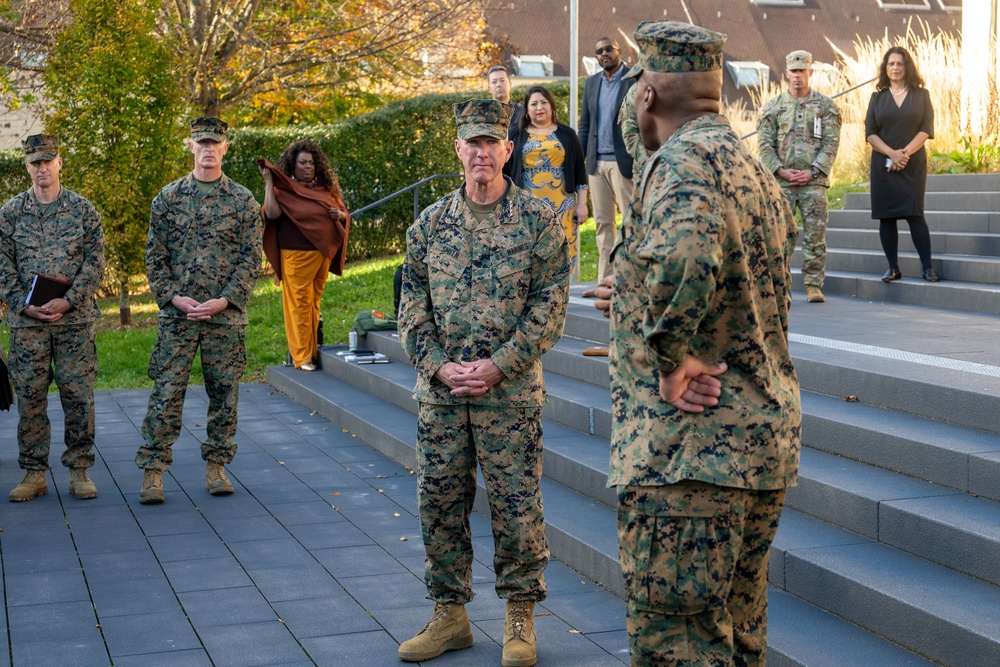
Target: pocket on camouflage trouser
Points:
(678, 547)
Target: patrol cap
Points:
(671, 46)
(209, 127)
(798, 60)
(38, 147)
(482, 118)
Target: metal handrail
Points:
(416, 196)
(832, 97)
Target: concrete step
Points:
(962, 268)
(942, 242)
(580, 530)
(794, 625)
(933, 522)
(935, 451)
(566, 359)
(963, 183)
(947, 617)
(947, 294)
(939, 388)
(972, 222)
(840, 490)
(572, 456)
(970, 200)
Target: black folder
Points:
(45, 288)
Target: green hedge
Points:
(14, 177)
(373, 155)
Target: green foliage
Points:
(14, 177)
(981, 158)
(116, 112)
(375, 155)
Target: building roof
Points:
(758, 30)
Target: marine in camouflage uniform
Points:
(706, 415)
(203, 255)
(485, 292)
(630, 135)
(60, 238)
(798, 133)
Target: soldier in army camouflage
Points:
(203, 254)
(55, 232)
(705, 435)
(630, 135)
(798, 133)
(485, 291)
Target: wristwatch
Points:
(815, 172)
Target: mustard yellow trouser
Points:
(303, 277)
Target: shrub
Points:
(14, 177)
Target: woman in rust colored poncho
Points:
(305, 237)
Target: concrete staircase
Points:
(963, 213)
(888, 551)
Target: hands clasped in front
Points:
(49, 312)
(470, 378)
(899, 160)
(200, 311)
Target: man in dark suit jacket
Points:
(609, 165)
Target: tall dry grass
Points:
(938, 56)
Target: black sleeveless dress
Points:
(899, 194)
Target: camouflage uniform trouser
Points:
(223, 358)
(507, 442)
(694, 557)
(33, 353)
(811, 200)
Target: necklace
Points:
(899, 93)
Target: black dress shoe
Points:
(930, 276)
(893, 274)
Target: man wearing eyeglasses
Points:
(609, 165)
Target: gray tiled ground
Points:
(305, 565)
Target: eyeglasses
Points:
(605, 49)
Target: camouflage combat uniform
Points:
(65, 241)
(787, 137)
(630, 135)
(496, 289)
(203, 248)
(703, 270)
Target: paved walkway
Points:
(315, 560)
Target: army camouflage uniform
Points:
(496, 289)
(63, 241)
(786, 137)
(203, 248)
(630, 134)
(703, 269)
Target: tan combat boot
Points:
(448, 630)
(519, 634)
(33, 484)
(215, 479)
(152, 488)
(80, 484)
(814, 294)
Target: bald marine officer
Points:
(705, 401)
(798, 133)
(485, 291)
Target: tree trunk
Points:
(124, 311)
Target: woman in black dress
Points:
(900, 119)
